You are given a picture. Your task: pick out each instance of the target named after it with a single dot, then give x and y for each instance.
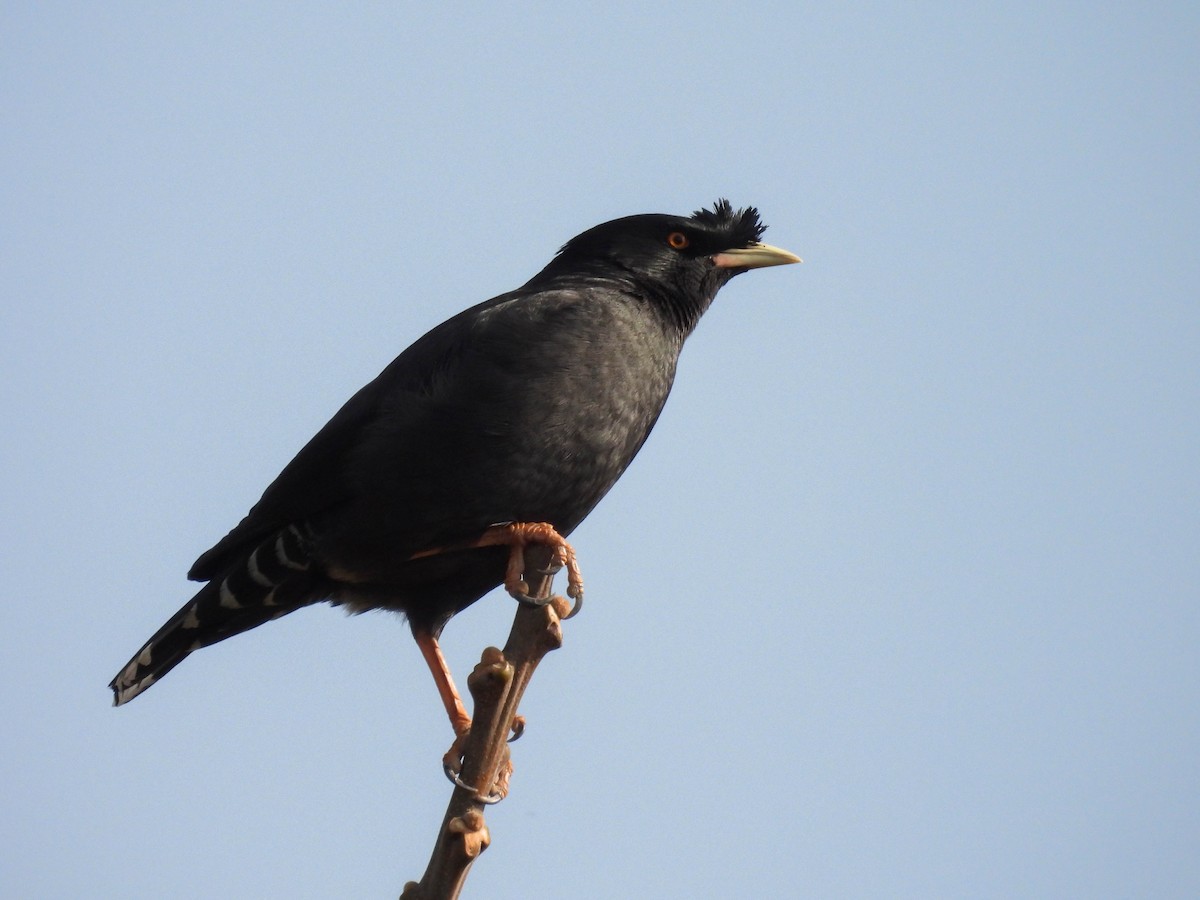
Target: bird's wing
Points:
(315, 480)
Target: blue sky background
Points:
(900, 599)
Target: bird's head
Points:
(680, 261)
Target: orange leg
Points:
(516, 536)
(459, 720)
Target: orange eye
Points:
(677, 240)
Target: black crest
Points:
(743, 225)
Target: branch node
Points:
(474, 831)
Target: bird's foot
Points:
(453, 760)
(517, 536)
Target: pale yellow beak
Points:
(756, 256)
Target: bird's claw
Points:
(554, 600)
(516, 536)
(452, 766)
(518, 728)
(494, 796)
(574, 590)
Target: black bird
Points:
(504, 425)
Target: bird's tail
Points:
(265, 585)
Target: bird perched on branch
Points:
(502, 426)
